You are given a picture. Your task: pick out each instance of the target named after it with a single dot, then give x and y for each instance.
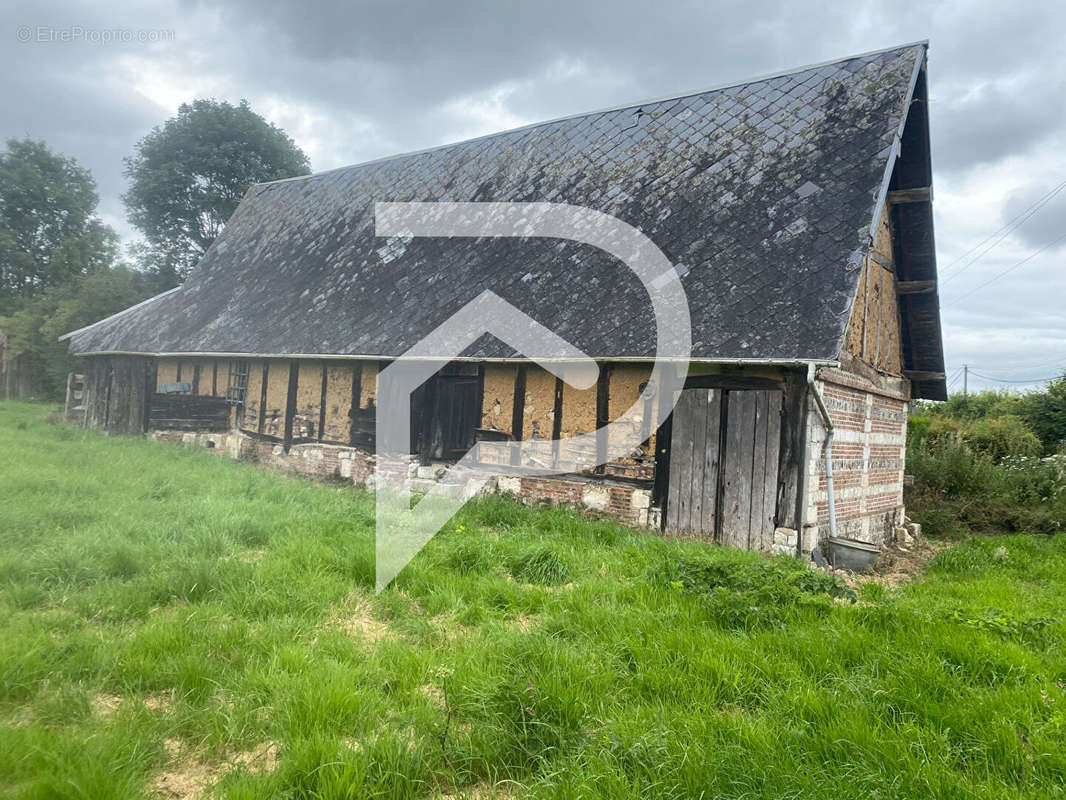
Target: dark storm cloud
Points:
(353, 81)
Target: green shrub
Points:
(1000, 437)
(539, 565)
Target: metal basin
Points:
(854, 555)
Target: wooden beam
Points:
(557, 422)
(603, 416)
(149, 390)
(916, 287)
(290, 402)
(738, 382)
(322, 402)
(923, 375)
(357, 393)
(882, 261)
(518, 409)
(922, 194)
(263, 396)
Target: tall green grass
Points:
(166, 610)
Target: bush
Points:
(1002, 437)
(983, 476)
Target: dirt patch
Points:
(263, 758)
(355, 617)
(185, 777)
(897, 564)
(160, 702)
(524, 622)
(482, 791)
(434, 694)
(105, 704)
(253, 556)
(189, 777)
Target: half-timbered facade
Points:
(795, 208)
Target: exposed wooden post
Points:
(603, 416)
(322, 402)
(263, 396)
(357, 393)
(518, 409)
(557, 422)
(70, 394)
(290, 402)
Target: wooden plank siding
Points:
(725, 463)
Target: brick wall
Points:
(869, 448)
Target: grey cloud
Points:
(1046, 223)
(359, 80)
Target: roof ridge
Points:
(621, 107)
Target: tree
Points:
(1045, 412)
(33, 330)
(188, 175)
(48, 225)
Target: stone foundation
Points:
(628, 503)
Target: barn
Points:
(795, 209)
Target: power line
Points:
(1057, 364)
(1006, 380)
(998, 235)
(1009, 269)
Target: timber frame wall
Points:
(317, 417)
(294, 407)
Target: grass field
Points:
(180, 625)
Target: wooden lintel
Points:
(916, 287)
(923, 375)
(920, 195)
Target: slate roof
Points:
(762, 194)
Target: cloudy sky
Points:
(351, 81)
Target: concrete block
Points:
(640, 499)
(596, 497)
(903, 536)
(655, 518)
(509, 484)
(786, 537)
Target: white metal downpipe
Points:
(828, 424)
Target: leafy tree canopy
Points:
(48, 225)
(33, 330)
(188, 175)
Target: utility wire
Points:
(998, 236)
(1005, 380)
(1008, 270)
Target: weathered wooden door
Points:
(724, 464)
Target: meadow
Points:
(176, 624)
